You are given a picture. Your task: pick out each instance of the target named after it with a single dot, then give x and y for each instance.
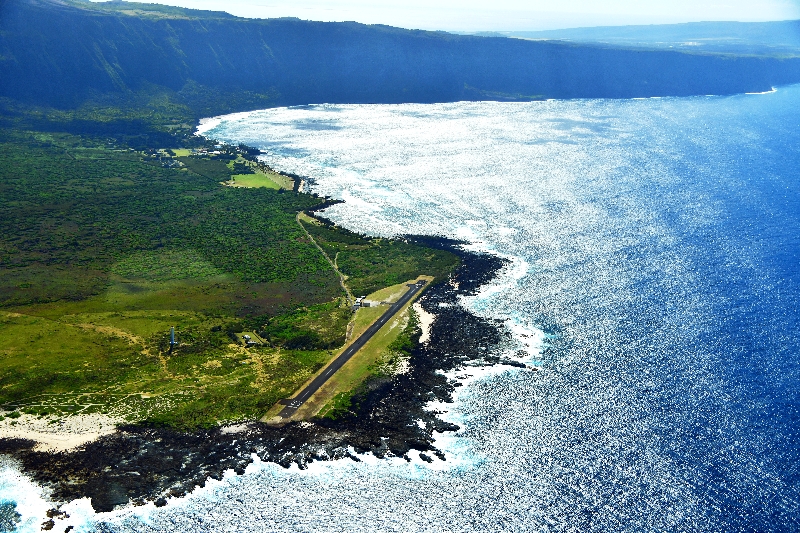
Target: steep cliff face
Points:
(62, 53)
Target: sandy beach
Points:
(425, 322)
(58, 434)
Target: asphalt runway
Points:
(293, 404)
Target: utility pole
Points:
(172, 338)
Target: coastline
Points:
(138, 464)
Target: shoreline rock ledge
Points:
(136, 464)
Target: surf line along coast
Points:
(136, 463)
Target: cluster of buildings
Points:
(205, 152)
(164, 157)
(249, 338)
(219, 150)
(361, 301)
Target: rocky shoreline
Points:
(138, 464)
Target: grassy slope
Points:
(101, 251)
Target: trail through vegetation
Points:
(342, 278)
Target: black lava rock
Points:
(144, 463)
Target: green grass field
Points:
(102, 250)
(257, 175)
(111, 348)
(253, 180)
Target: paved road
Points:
(294, 403)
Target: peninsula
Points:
(162, 293)
(109, 249)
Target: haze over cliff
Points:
(778, 38)
(60, 53)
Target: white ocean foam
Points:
(32, 501)
(771, 91)
(598, 206)
(506, 283)
(530, 340)
(207, 124)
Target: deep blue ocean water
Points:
(653, 278)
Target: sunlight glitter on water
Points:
(612, 214)
(645, 282)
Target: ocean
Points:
(652, 278)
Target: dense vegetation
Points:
(104, 248)
(108, 237)
(64, 54)
(371, 265)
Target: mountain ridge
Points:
(62, 54)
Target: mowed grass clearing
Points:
(253, 181)
(260, 177)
